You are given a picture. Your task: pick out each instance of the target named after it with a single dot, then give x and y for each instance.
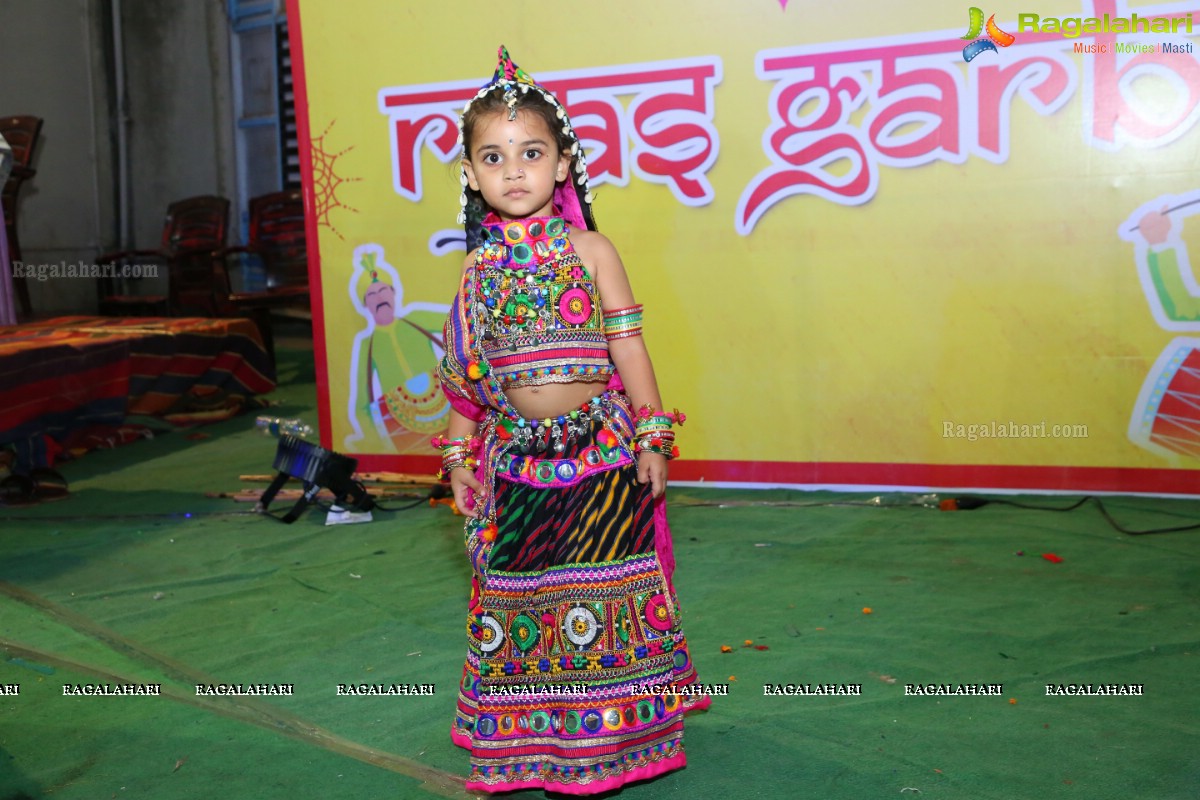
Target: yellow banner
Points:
(920, 246)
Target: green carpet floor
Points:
(138, 576)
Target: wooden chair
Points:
(21, 133)
(193, 234)
(277, 240)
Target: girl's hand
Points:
(467, 491)
(652, 469)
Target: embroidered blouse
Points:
(538, 308)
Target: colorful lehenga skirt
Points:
(575, 644)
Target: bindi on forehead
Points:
(493, 131)
(530, 123)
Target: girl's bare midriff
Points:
(551, 399)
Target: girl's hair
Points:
(530, 101)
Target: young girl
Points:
(577, 670)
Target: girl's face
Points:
(515, 164)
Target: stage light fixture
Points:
(318, 469)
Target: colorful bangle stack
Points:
(654, 432)
(621, 323)
(459, 452)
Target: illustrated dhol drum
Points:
(1166, 419)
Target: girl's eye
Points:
(491, 158)
(532, 155)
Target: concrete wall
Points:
(49, 67)
(181, 128)
(56, 63)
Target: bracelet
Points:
(648, 417)
(439, 441)
(662, 443)
(465, 442)
(653, 424)
(654, 433)
(621, 323)
(458, 452)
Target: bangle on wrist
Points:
(653, 432)
(456, 452)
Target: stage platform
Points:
(140, 577)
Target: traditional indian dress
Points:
(577, 673)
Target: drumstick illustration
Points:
(1173, 208)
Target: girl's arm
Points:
(630, 355)
(462, 480)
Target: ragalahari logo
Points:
(995, 36)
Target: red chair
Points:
(277, 241)
(193, 234)
(21, 133)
